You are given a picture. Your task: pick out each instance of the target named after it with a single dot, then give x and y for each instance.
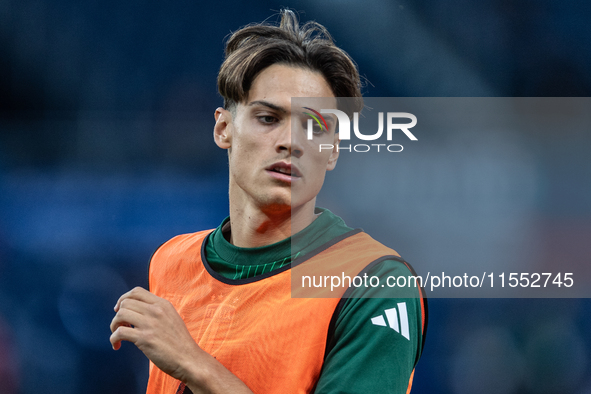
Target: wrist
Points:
(208, 375)
(193, 370)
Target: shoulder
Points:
(387, 286)
(170, 255)
(180, 243)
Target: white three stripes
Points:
(392, 316)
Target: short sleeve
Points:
(376, 341)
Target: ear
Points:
(223, 127)
(334, 155)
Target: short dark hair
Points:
(255, 47)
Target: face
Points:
(272, 163)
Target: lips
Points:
(285, 168)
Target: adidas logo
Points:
(393, 321)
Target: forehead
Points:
(279, 83)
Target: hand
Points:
(156, 328)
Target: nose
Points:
(291, 142)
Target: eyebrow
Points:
(268, 104)
(329, 117)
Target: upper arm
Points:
(376, 341)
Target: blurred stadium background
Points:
(106, 115)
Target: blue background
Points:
(106, 151)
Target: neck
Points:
(252, 226)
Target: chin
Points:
(276, 203)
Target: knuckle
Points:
(120, 332)
(156, 310)
(148, 336)
(115, 327)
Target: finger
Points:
(122, 334)
(125, 317)
(134, 305)
(137, 293)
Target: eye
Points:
(316, 128)
(267, 119)
(319, 129)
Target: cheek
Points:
(322, 160)
(244, 155)
(319, 170)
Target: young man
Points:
(219, 316)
